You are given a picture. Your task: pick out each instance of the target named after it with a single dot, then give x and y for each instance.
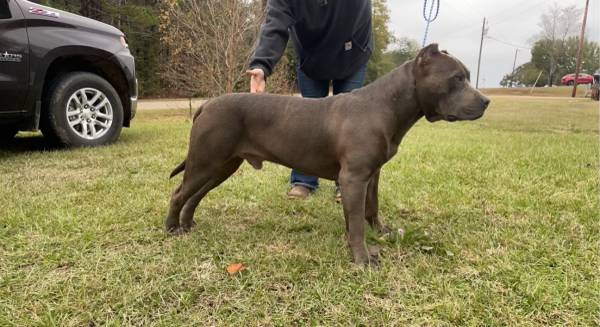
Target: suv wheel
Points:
(84, 110)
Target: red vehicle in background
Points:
(569, 79)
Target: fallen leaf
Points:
(235, 268)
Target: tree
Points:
(138, 19)
(525, 75)
(209, 44)
(382, 37)
(542, 57)
(565, 62)
(557, 25)
(404, 49)
(590, 56)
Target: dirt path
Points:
(160, 104)
(540, 97)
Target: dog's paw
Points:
(174, 230)
(373, 255)
(178, 229)
(186, 227)
(171, 227)
(384, 229)
(369, 259)
(371, 262)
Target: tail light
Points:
(124, 42)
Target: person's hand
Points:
(257, 80)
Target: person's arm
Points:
(271, 43)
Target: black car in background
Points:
(70, 76)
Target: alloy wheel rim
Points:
(89, 113)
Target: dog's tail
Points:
(178, 169)
(199, 111)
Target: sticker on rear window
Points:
(43, 12)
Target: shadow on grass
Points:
(29, 143)
(415, 239)
(36, 142)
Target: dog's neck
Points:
(396, 93)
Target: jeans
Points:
(310, 88)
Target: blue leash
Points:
(430, 18)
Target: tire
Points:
(83, 110)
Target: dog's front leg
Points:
(354, 189)
(372, 206)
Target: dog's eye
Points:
(460, 78)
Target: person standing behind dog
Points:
(333, 43)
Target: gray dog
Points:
(346, 137)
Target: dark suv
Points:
(70, 76)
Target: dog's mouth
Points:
(453, 118)
(433, 119)
(476, 116)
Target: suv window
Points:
(4, 11)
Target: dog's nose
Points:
(486, 102)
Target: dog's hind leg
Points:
(194, 179)
(188, 188)
(372, 206)
(172, 221)
(187, 213)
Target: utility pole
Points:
(483, 32)
(580, 49)
(512, 75)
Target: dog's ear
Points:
(427, 53)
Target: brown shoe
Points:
(338, 196)
(298, 192)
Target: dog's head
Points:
(443, 87)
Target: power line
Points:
(511, 15)
(473, 8)
(460, 10)
(508, 43)
(461, 30)
(514, 15)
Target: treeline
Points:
(201, 48)
(554, 52)
(548, 69)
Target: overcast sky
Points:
(458, 29)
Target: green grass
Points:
(555, 91)
(500, 218)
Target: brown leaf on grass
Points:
(235, 268)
